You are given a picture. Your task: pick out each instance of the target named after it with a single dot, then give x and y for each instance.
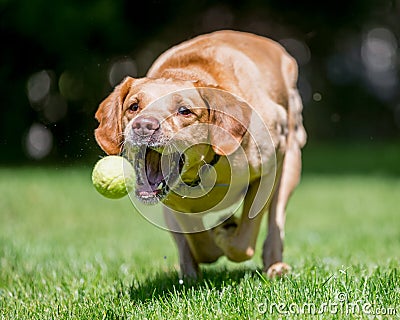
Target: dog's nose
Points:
(145, 126)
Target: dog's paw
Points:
(225, 238)
(278, 269)
(224, 232)
(229, 224)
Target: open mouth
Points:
(156, 172)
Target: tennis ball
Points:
(113, 177)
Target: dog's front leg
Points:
(193, 248)
(189, 267)
(273, 245)
(238, 243)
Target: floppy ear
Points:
(109, 114)
(229, 119)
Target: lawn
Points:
(68, 253)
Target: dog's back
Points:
(247, 65)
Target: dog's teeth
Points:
(160, 186)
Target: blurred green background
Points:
(59, 59)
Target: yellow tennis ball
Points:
(113, 177)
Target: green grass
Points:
(68, 253)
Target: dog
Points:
(216, 120)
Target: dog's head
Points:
(170, 128)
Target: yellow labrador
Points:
(217, 119)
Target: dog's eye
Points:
(184, 111)
(133, 107)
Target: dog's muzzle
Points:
(157, 164)
(156, 171)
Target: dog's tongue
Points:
(153, 167)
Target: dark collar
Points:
(213, 162)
